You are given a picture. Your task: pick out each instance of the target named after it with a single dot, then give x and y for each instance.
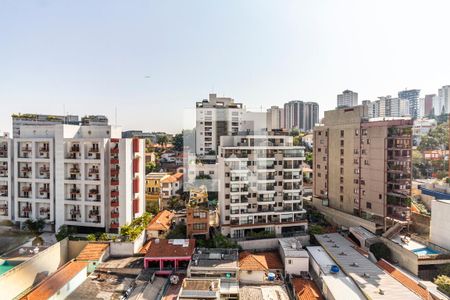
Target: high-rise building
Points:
(216, 117)
(79, 175)
(428, 104)
(387, 107)
(362, 166)
(413, 97)
(444, 99)
(275, 118)
(43, 119)
(347, 99)
(260, 185)
(6, 190)
(301, 115)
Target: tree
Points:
(179, 232)
(437, 138)
(178, 142)
(150, 167)
(35, 226)
(163, 140)
(63, 232)
(380, 251)
(294, 132)
(152, 207)
(309, 158)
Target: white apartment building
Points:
(216, 117)
(75, 175)
(260, 185)
(275, 118)
(387, 107)
(5, 178)
(444, 99)
(347, 99)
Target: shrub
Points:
(135, 228)
(380, 251)
(91, 237)
(443, 282)
(63, 232)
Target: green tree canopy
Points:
(178, 142)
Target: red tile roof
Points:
(404, 279)
(165, 248)
(52, 284)
(261, 261)
(173, 178)
(93, 251)
(161, 221)
(306, 289)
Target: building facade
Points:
(444, 99)
(387, 107)
(261, 187)
(363, 167)
(413, 98)
(347, 99)
(275, 118)
(216, 117)
(78, 175)
(301, 115)
(6, 183)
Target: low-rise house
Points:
(160, 224)
(295, 259)
(153, 186)
(93, 254)
(255, 268)
(60, 284)
(169, 188)
(197, 222)
(200, 289)
(167, 256)
(214, 263)
(305, 289)
(263, 292)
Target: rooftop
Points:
(264, 292)
(172, 178)
(93, 251)
(261, 261)
(306, 289)
(52, 284)
(156, 175)
(161, 222)
(292, 247)
(215, 258)
(403, 279)
(373, 281)
(170, 248)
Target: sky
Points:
(152, 60)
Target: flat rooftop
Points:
(200, 289)
(215, 258)
(372, 280)
(292, 247)
(263, 292)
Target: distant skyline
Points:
(154, 59)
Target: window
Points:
(342, 161)
(341, 198)
(289, 261)
(318, 166)
(199, 226)
(369, 205)
(368, 141)
(342, 133)
(356, 132)
(341, 189)
(342, 151)
(319, 149)
(342, 171)
(380, 196)
(319, 175)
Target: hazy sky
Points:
(92, 56)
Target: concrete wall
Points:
(70, 286)
(251, 276)
(20, 278)
(296, 265)
(268, 244)
(440, 224)
(75, 248)
(405, 258)
(120, 249)
(342, 219)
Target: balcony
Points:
(44, 212)
(3, 151)
(44, 172)
(74, 152)
(114, 182)
(114, 193)
(136, 144)
(114, 161)
(114, 172)
(291, 165)
(115, 150)
(25, 152)
(114, 203)
(136, 165)
(25, 210)
(25, 172)
(114, 214)
(3, 209)
(136, 205)
(114, 225)
(3, 190)
(93, 174)
(290, 186)
(74, 214)
(43, 152)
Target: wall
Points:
(251, 276)
(119, 249)
(420, 223)
(405, 258)
(297, 265)
(268, 244)
(342, 219)
(440, 224)
(22, 277)
(75, 248)
(70, 286)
